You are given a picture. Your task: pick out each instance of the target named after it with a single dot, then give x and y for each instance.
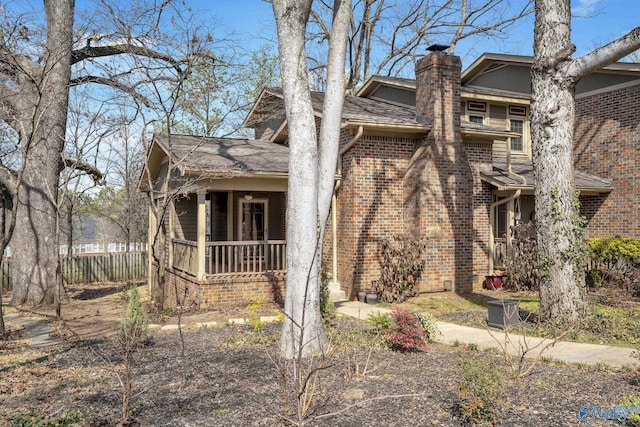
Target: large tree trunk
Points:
(554, 74)
(302, 332)
(34, 245)
(562, 293)
(312, 167)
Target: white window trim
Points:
(526, 137)
(524, 144)
(484, 114)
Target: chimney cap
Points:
(438, 48)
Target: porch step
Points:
(338, 296)
(335, 293)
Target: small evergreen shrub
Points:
(429, 324)
(134, 325)
(632, 401)
(381, 322)
(406, 334)
(479, 392)
(328, 309)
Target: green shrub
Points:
(479, 392)
(328, 309)
(429, 324)
(632, 401)
(613, 248)
(253, 310)
(615, 262)
(406, 334)
(134, 325)
(380, 321)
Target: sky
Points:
(596, 22)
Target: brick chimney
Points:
(438, 94)
(438, 185)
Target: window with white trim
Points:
(517, 126)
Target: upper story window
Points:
(517, 126)
(476, 111)
(474, 118)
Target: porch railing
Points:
(231, 257)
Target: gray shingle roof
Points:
(227, 156)
(498, 176)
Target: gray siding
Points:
(186, 218)
(395, 95)
(219, 202)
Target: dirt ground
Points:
(232, 376)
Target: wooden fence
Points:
(113, 267)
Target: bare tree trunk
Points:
(303, 324)
(560, 234)
(562, 295)
(34, 277)
(312, 166)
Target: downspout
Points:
(334, 203)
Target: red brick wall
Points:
(369, 205)
(439, 207)
(607, 144)
(228, 291)
(479, 155)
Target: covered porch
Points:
(228, 233)
(513, 203)
(222, 222)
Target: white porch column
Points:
(335, 292)
(202, 231)
(172, 231)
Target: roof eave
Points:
(489, 136)
(397, 127)
(230, 173)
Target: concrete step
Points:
(337, 295)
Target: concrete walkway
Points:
(40, 331)
(566, 351)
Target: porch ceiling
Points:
(498, 177)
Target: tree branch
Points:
(114, 84)
(604, 55)
(88, 52)
(78, 164)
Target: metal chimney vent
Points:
(438, 48)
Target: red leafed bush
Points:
(406, 334)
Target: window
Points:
(476, 119)
(517, 126)
(476, 111)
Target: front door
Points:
(252, 220)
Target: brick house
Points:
(446, 156)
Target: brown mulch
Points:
(232, 376)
